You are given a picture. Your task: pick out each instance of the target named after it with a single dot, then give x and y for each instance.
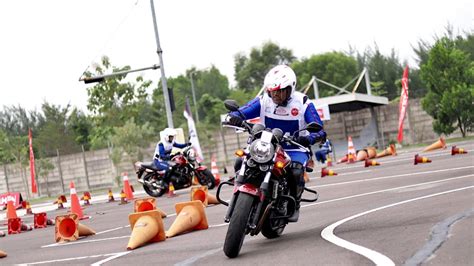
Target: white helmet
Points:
(281, 77)
(169, 132)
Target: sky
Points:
(45, 46)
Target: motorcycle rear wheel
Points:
(207, 179)
(238, 223)
(152, 191)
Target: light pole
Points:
(162, 68)
(194, 96)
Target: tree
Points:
(449, 75)
(250, 71)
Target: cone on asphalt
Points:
(371, 163)
(421, 159)
(212, 199)
(215, 170)
(199, 193)
(439, 144)
(362, 155)
(85, 230)
(328, 160)
(14, 226)
(126, 187)
(351, 152)
(86, 198)
(371, 152)
(68, 228)
(390, 150)
(327, 172)
(455, 150)
(190, 216)
(3, 254)
(111, 196)
(146, 227)
(75, 205)
(147, 204)
(305, 177)
(343, 159)
(61, 199)
(26, 205)
(11, 211)
(123, 198)
(171, 192)
(40, 220)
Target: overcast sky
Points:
(45, 46)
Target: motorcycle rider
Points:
(285, 108)
(163, 151)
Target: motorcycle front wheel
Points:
(237, 225)
(152, 187)
(206, 178)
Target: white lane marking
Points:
(391, 176)
(83, 242)
(219, 225)
(385, 190)
(110, 230)
(192, 260)
(110, 258)
(374, 256)
(76, 258)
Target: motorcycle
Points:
(182, 166)
(261, 200)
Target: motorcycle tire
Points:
(273, 229)
(154, 192)
(238, 225)
(207, 179)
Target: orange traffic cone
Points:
(212, 199)
(351, 153)
(371, 152)
(195, 181)
(146, 227)
(14, 226)
(126, 187)
(3, 254)
(61, 199)
(147, 204)
(215, 170)
(75, 205)
(40, 220)
(327, 172)
(370, 163)
(190, 216)
(171, 192)
(26, 205)
(11, 211)
(68, 228)
(111, 196)
(305, 177)
(420, 159)
(199, 193)
(328, 160)
(362, 155)
(86, 198)
(440, 144)
(390, 150)
(455, 150)
(343, 159)
(123, 198)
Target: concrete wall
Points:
(100, 172)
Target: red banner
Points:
(402, 108)
(14, 197)
(32, 163)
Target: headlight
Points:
(191, 154)
(261, 152)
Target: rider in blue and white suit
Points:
(283, 107)
(163, 151)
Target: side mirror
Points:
(314, 127)
(231, 105)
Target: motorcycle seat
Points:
(150, 166)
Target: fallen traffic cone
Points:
(390, 150)
(362, 155)
(455, 150)
(68, 228)
(40, 220)
(190, 216)
(126, 187)
(420, 159)
(215, 170)
(440, 144)
(86, 198)
(147, 204)
(351, 153)
(171, 192)
(371, 152)
(14, 226)
(85, 230)
(212, 199)
(61, 199)
(195, 181)
(75, 205)
(3, 254)
(370, 163)
(327, 172)
(328, 160)
(26, 227)
(27, 207)
(123, 198)
(305, 177)
(111, 196)
(146, 227)
(11, 211)
(343, 159)
(199, 193)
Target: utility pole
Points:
(162, 68)
(194, 96)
